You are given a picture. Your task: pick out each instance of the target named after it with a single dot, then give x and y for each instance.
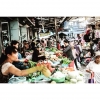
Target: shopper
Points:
(75, 56)
(94, 67)
(7, 69)
(67, 50)
(78, 49)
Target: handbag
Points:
(91, 80)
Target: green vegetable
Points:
(68, 78)
(31, 63)
(68, 82)
(53, 49)
(66, 61)
(60, 57)
(80, 74)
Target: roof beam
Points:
(30, 21)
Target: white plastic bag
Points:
(29, 57)
(78, 64)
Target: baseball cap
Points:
(97, 53)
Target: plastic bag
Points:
(78, 64)
(16, 80)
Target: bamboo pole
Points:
(57, 37)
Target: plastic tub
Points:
(64, 65)
(60, 80)
(17, 80)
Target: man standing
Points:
(68, 51)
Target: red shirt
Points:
(58, 46)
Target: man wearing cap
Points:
(94, 67)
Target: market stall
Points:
(62, 69)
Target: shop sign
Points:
(44, 34)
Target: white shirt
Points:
(93, 66)
(62, 42)
(96, 69)
(6, 66)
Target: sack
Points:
(91, 80)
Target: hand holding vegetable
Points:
(41, 68)
(44, 70)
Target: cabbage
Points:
(58, 75)
(73, 80)
(73, 74)
(79, 78)
(67, 78)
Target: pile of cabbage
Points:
(73, 76)
(58, 75)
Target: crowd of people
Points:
(80, 50)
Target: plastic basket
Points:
(64, 65)
(60, 80)
(15, 80)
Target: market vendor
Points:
(18, 64)
(33, 44)
(26, 49)
(67, 50)
(37, 54)
(94, 67)
(7, 69)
